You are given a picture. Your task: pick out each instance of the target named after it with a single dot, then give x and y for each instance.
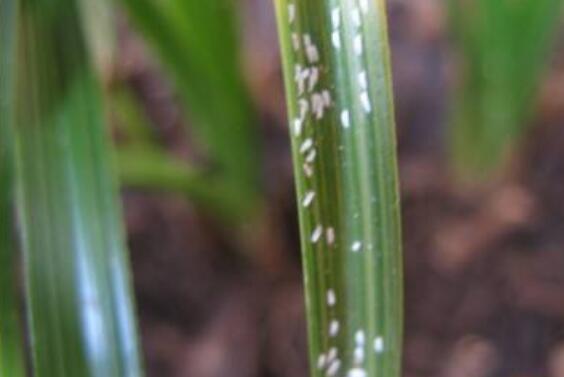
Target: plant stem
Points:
(338, 86)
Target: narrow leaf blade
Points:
(196, 42)
(338, 88)
(79, 301)
(11, 340)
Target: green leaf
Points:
(503, 47)
(149, 168)
(11, 342)
(98, 22)
(197, 43)
(80, 310)
(130, 118)
(146, 165)
(338, 86)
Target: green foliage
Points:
(152, 169)
(97, 21)
(338, 85)
(144, 164)
(503, 46)
(77, 280)
(11, 345)
(197, 44)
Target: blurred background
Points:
(483, 235)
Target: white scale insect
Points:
(356, 372)
(379, 344)
(336, 39)
(311, 156)
(317, 233)
(345, 118)
(308, 199)
(333, 368)
(334, 328)
(356, 246)
(291, 12)
(365, 101)
(331, 297)
(295, 41)
(357, 44)
(336, 22)
(330, 235)
(306, 145)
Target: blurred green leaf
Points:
(151, 168)
(130, 117)
(503, 45)
(146, 165)
(338, 86)
(198, 45)
(98, 23)
(11, 342)
(79, 300)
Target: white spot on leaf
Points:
(317, 233)
(317, 105)
(311, 156)
(336, 17)
(362, 82)
(308, 199)
(379, 344)
(356, 246)
(356, 372)
(359, 355)
(365, 101)
(306, 145)
(321, 360)
(332, 354)
(357, 44)
(345, 118)
(331, 297)
(326, 98)
(330, 235)
(300, 77)
(333, 368)
(359, 337)
(364, 5)
(334, 328)
(313, 78)
(308, 170)
(336, 39)
(311, 49)
(304, 108)
(355, 15)
(298, 127)
(291, 12)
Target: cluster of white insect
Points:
(312, 104)
(330, 361)
(358, 356)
